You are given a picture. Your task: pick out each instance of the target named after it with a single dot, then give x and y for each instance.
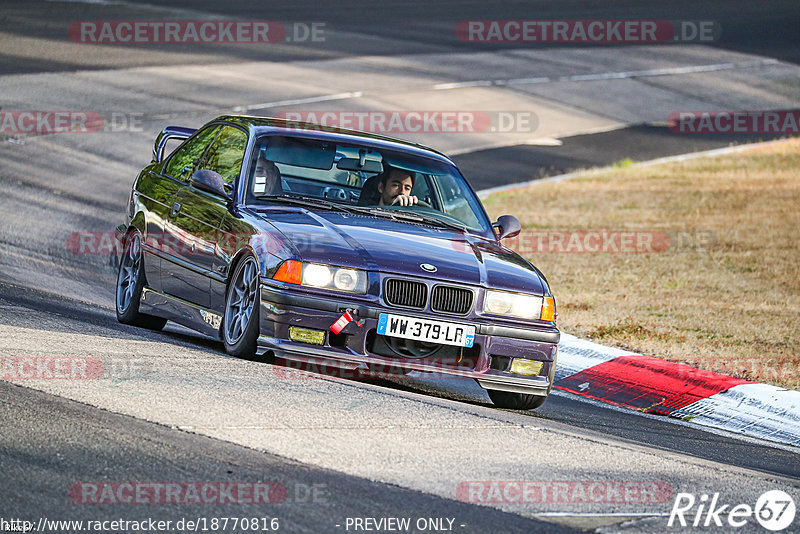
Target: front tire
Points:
(515, 401)
(240, 325)
(130, 282)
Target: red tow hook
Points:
(346, 318)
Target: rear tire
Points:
(130, 282)
(240, 324)
(515, 401)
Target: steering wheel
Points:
(419, 203)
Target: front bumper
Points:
(355, 347)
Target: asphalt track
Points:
(634, 143)
(393, 27)
(50, 443)
(376, 448)
(560, 408)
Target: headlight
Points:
(316, 275)
(322, 276)
(348, 280)
(519, 305)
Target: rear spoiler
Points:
(167, 134)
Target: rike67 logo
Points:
(774, 510)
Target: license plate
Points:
(460, 335)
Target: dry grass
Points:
(725, 294)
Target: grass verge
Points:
(711, 273)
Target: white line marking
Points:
(294, 102)
(522, 81)
(541, 141)
(98, 2)
(611, 75)
(668, 71)
(459, 85)
(600, 514)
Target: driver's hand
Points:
(405, 200)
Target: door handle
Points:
(176, 207)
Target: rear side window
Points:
(226, 153)
(188, 157)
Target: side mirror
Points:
(210, 182)
(507, 226)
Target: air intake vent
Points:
(406, 293)
(449, 299)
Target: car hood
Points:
(399, 247)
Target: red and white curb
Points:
(656, 386)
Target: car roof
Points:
(271, 125)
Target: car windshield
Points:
(329, 175)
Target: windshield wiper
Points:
(308, 202)
(439, 222)
(409, 216)
(313, 202)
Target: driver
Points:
(266, 177)
(394, 187)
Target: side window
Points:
(421, 188)
(455, 201)
(226, 153)
(184, 161)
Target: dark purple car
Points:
(336, 247)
